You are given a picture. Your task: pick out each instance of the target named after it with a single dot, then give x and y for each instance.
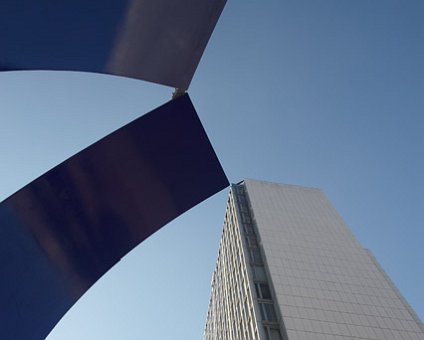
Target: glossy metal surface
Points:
(62, 232)
(156, 40)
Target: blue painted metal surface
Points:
(156, 40)
(62, 232)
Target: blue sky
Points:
(327, 94)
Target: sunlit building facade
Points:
(289, 268)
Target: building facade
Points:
(289, 268)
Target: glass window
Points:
(262, 291)
(248, 229)
(266, 293)
(267, 312)
(259, 273)
(275, 334)
(272, 333)
(245, 217)
(243, 208)
(242, 199)
(255, 255)
(251, 241)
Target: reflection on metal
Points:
(62, 232)
(156, 40)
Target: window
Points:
(241, 199)
(248, 229)
(251, 241)
(262, 291)
(255, 256)
(272, 333)
(245, 217)
(259, 273)
(243, 208)
(267, 312)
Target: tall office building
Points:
(289, 268)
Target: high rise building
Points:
(289, 268)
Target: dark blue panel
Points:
(155, 40)
(63, 231)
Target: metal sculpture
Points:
(62, 232)
(160, 41)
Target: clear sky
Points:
(328, 94)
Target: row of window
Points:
(262, 290)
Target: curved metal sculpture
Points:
(160, 41)
(62, 232)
